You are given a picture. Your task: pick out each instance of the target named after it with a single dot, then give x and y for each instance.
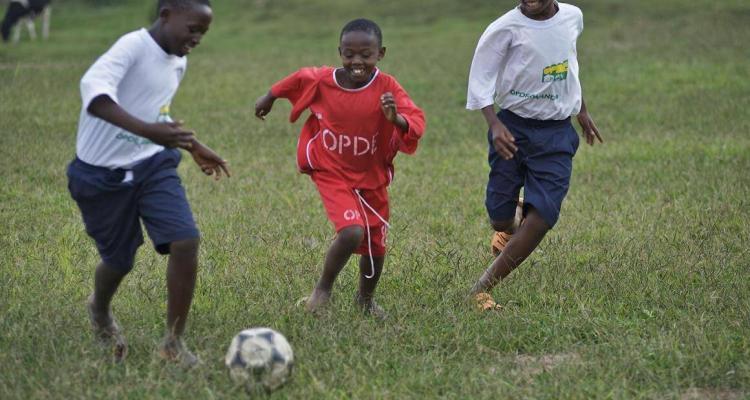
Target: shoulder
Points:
(313, 74)
(506, 21)
(130, 43)
(386, 81)
(502, 27)
(134, 38)
(570, 10)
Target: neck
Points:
(156, 34)
(343, 79)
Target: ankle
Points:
(323, 288)
(363, 298)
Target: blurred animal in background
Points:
(23, 13)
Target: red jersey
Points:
(347, 133)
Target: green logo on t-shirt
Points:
(555, 72)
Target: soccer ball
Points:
(259, 358)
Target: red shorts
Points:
(347, 206)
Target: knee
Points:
(185, 248)
(351, 236)
(502, 226)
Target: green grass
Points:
(641, 291)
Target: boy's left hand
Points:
(209, 162)
(388, 105)
(590, 131)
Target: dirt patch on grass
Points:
(529, 366)
(712, 394)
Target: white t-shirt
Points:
(529, 67)
(142, 78)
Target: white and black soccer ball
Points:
(260, 358)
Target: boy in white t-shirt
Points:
(125, 167)
(526, 61)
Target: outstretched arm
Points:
(264, 104)
(590, 131)
(208, 161)
(169, 134)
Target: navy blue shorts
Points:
(113, 203)
(542, 165)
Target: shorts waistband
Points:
(89, 167)
(515, 118)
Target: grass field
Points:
(641, 291)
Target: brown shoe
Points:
(485, 302)
(499, 241)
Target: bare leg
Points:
(347, 240)
(367, 285)
(106, 328)
(524, 241)
(181, 275)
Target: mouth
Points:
(358, 72)
(530, 4)
(187, 48)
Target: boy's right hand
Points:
(263, 105)
(169, 134)
(503, 140)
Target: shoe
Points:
(485, 302)
(499, 241)
(174, 350)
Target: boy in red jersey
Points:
(360, 118)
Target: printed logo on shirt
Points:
(136, 140)
(356, 145)
(555, 72)
(538, 96)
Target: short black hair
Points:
(363, 25)
(180, 3)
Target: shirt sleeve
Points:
(485, 67)
(407, 141)
(105, 75)
(293, 86)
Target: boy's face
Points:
(360, 53)
(184, 27)
(534, 8)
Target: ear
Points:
(339, 51)
(164, 13)
(381, 53)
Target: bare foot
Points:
(317, 300)
(370, 307)
(107, 330)
(173, 349)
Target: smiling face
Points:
(183, 28)
(360, 51)
(538, 9)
